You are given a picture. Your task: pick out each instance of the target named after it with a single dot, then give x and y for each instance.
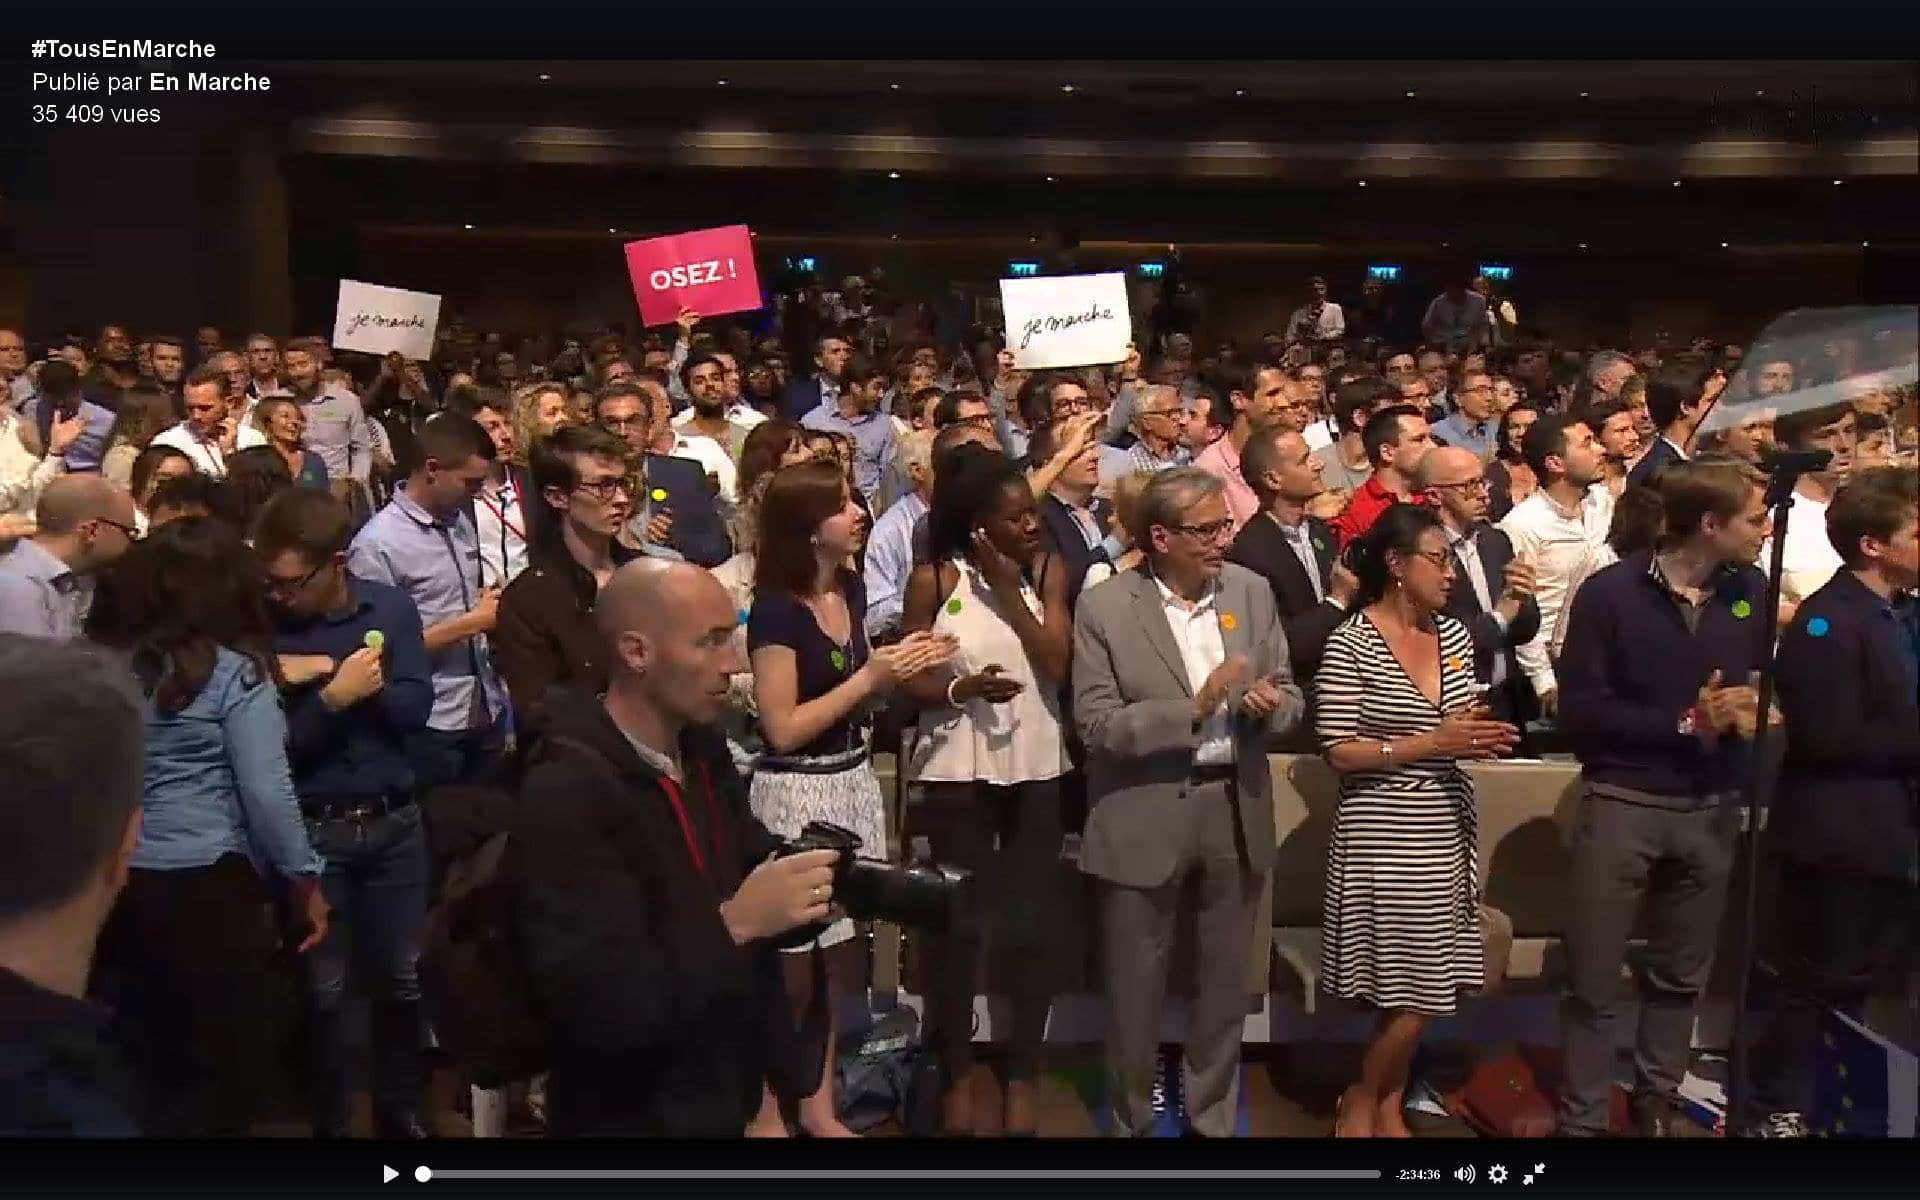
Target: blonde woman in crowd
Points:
(1126, 510)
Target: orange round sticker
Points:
(1455, 662)
(1229, 622)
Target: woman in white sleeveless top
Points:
(989, 758)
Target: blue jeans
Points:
(376, 884)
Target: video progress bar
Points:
(883, 1173)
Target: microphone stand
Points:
(1784, 471)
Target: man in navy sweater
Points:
(1845, 821)
(1656, 698)
(359, 688)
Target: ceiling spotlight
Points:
(1446, 245)
(1723, 245)
(1676, 183)
(1864, 245)
(893, 237)
(466, 227)
(544, 77)
(1761, 93)
(1067, 88)
(1583, 245)
(1363, 183)
(1031, 239)
(1838, 182)
(1049, 179)
(1410, 93)
(1584, 95)
(720, 82)
(893, 174)
(1239, 91)
(893, 87)
(611, 229)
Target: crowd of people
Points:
(279, 621)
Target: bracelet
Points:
(951, 702)
(1386, 754)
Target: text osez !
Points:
(691, 274)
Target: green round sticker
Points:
(838, 660)
(1742, 609)
(953, 605)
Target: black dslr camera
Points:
(922, 894)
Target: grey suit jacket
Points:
(1133, 707)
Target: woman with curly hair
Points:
(184, 956)
(538, 409)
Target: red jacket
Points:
(1365, 508)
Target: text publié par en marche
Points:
(154, 83)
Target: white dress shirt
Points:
(713, 459)
(1565, 547)
(207, 457)
(1196, 630)
(1299, 539)
(1466, 550)
(1810, 559)
(500, 521)
(743, 415)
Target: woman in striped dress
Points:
(1397, 707)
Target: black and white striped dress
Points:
(1400, 926)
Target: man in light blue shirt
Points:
(61, 397)
(424, 543)
(338, 430)
(1474, 426)
(856, 413)
(890, 546)
(46, 581)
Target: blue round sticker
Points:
(743, 616)
(1818, 627)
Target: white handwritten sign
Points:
(1066, 320)
(380, 320)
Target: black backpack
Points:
(471, 973)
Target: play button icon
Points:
(388, 1174)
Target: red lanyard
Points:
(500, 512)
(686, 826)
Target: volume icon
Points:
(1464, 1174)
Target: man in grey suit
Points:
(1180, 674)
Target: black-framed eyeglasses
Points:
(292, 587)
(604, 490)
(1439, 558)
(132, 531)
(1465, 485)
(1211, 531)
(1071, 406)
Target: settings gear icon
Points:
(1497, 1173)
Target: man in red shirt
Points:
(1396, 439)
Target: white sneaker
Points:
(1782, 1125)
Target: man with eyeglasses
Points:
(545, 636)
(359, 688)
(1473, 426)
(1160, 419)
(1500, 619)
(1180, 675)
(673, 512)
(83, 524)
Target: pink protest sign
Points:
(707, 270)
